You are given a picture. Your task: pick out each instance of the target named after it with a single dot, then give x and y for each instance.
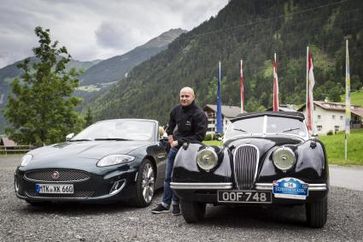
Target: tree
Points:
(40, 108)
(89, 117)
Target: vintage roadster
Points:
(267, 158)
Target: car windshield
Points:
(266, 125)
(118, 130)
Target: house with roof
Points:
(228, 112)
(330, 116)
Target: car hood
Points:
(85, 151)
(263, 144)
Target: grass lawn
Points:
(356, 98)
(334, 145)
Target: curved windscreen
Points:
(263, 125)
(118, 130)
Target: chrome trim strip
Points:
(312, 186)
(55, 181)
(201, 185)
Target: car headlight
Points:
(26, 159)
(284, 158)
(207, 158)
(114, 160)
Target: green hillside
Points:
(252, 30)
(356, 98)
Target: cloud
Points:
(95, 29)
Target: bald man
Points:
(187, 124)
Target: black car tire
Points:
(139, 199)
(316, 213)
(192, 211)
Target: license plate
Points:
(240, 196)
(54, 188)
(290, 188)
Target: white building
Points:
(228, 112)
(330, 116)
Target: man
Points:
(187, 124)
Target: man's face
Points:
(186, 97)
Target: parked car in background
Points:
(111, 160)
(267, 158)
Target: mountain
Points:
(96, 74)
(10, 72)
(252, 30)
(117, 67)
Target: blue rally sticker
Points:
(291, 188)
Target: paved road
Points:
(348, 177)
(117, 222)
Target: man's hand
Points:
(174, 143)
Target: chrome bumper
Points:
(198, 185)
(228, 185)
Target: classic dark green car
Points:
(111, 160)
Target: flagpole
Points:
(242, 86)
(347, 100)
(219, 101)
(307, 82)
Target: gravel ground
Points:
(116, 222)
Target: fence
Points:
(15, 149)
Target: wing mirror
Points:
(69, 136)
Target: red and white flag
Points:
(275, 96)
(310, 82)
(242, 88)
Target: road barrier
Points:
(15, 149)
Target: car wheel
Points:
(192, 211)
(316, 213)
(145, 184)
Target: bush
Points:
(330, 132)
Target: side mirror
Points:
(69, 136)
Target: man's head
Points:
(186, 96)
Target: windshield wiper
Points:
(117, 139)
(288, 130)
(242, 130)
(80, 140)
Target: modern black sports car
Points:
(267, 158)
(111, 160)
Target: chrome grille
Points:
(64, 175)
(245, 166)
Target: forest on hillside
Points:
(252, 31)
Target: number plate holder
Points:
(243, 196)
(54, 188)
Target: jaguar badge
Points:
(55, 175)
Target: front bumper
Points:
(106, 187)
(207, 192)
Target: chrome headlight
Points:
(283, 158)
(207, 158)
(26, 159)
(114, 160)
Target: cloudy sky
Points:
(95, 29)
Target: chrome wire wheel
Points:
(148, 182)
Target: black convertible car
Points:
(111, 160)
(267, 158)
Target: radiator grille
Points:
(63, 175)
(245, 166)
(79, 194)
